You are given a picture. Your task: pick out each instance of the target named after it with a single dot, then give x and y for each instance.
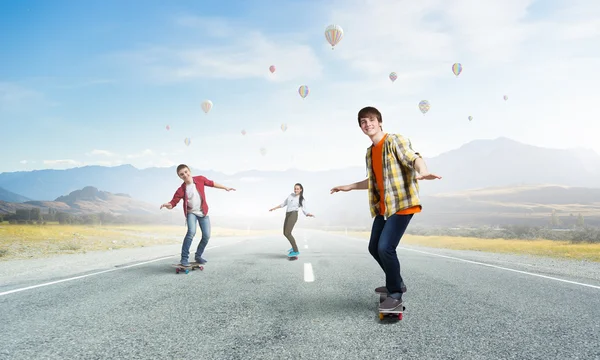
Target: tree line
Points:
(577, 234)
(34, 216)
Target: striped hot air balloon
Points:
(457, 69)
(303, 91)
(207, 105)
(334, 34)
(424, 106)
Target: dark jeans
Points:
(385, 237)
(191, 232)
(288, 225)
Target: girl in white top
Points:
(295, 201)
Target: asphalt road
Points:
(250, 302)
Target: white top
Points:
(194, 200)
(293, 203)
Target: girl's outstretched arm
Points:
(284, 203)
(306, 213)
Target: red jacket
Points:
(200, 182)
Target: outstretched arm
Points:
(284, 203)
(176, 198)
(361, 185)
(423, 172)
(219, 186)
(306, 213)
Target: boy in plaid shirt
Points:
(393, 170)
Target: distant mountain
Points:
(88, 200)
(9, 196)
(531, 205)
(479, 164)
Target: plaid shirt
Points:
(401, 190)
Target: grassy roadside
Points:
(28, 241)
(549, 248)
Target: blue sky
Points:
(96, 82)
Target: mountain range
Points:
(481, 177)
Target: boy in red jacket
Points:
(195, 208)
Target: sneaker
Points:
(290, 250)
(184, 263)
(201, 261)
(294, 253)
(390, 304)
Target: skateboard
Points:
(393, 313)
(291, 258)
(193, 266)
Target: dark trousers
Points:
(385, 237)
(288, 225)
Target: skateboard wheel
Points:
(201, 267)
(400, 316)
(187, 271)
(381, 316)
(176, 271)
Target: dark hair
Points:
(368, 112)
(182, 166)
(301, 192)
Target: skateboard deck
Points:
(393, 313)
(186, 269)
(292, 258)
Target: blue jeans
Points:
(385, 237)
(191, 232)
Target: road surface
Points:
(250, 302)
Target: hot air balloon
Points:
(272, 68)
(303, 91)
(470, 118)
(283, 127)
(334, 34)
(457, 69)
(168, 127)
(505, 97)
(424, 106)
(243, 132)
(207, 105)
(263, 151)
(393, 76)
(187, 141)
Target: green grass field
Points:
(28, 241)
(549, 248)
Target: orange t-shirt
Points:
(377, 158)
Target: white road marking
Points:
(490, 265)
(308, 273)
(98, 273)
(505, 268)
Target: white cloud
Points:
(15, 97)
(105, 163)
(144, 153)
(101, 153)
(23, 161)
(247, 56)
(62, 162)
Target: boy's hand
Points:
(428, 176)
(341, 188)
(167, 205)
